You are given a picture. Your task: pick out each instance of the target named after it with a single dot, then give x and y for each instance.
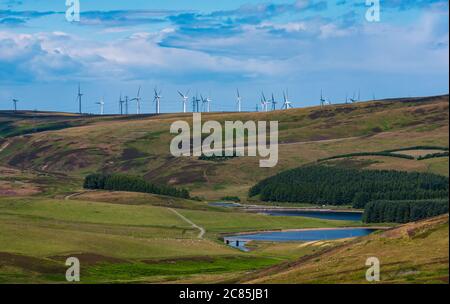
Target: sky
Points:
(213, 48)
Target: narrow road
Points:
(5, 145)
(201, 229)
(68, 197)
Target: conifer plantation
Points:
(320, 184)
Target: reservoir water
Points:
(224, 204)
(239, 241)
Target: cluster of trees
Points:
(419, 148)
(340, 186)
(384, 153)
(217, 158)
(433, 155)
(403, 211)
(122, 182)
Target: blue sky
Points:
(214, 47)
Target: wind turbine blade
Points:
(181, 94)
(139, 91)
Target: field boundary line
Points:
(201, 229)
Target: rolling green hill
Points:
(140, 145)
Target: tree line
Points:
(419, 148)
(321, 184)
(383, 153)
(433, 155)
(123, 182)
(403, 211)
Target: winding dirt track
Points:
(5, 145)
(201, 229)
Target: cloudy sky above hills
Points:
(214, 47)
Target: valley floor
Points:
(144, 240)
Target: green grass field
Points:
(138, 238)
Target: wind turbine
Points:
(204, 103)
(287, 104)
(102, 104)
(208, 103)
(197, 103)
(121, 102)
(322, 100)
(15, 101)
(274, 103)
(185, 99)
(126, 105)
(138, 101)
(157, 100)
(239, 101)
(194, 100)
(79, 95)
(353, 99)
(264, 103)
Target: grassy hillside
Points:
(123, 242)
(140, 145)
(412, 253)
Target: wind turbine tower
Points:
(138, 101)
(157, 100)
(208, 104)
(15, 101)
(121, 102)
(274, 103)
(194, 100)
(126, 105)
(239, 101)
(102, 104)
(197, 103)
(287, 104)
(353, 99)
(185, 99)
(322, 100)
(79, 95)
(264, 103)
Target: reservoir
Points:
(307, 235)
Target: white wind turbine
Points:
(138, 101)
(79, 95)
(121, 102)
(15, 101)
(157, 100)
(102, 104)
(208, 104)
(274, 103)
(287, 104)
(239, 101)
(323, 101)
(185, 98)
(204, 103)
(264, 103)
